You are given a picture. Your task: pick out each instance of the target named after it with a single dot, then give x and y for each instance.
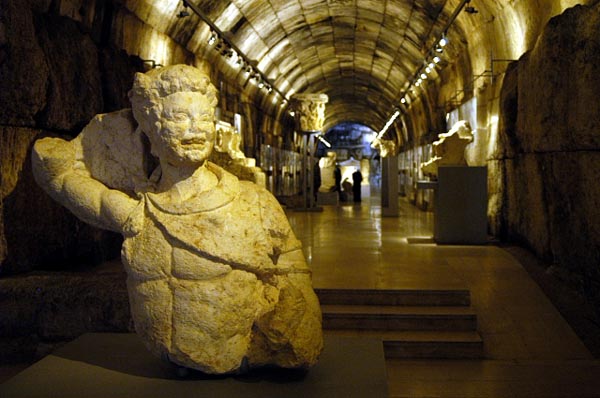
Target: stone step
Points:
(424, 344)
(399, 318)
(411, 297)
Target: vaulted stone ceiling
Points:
(359, 52)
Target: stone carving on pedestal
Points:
(327, 165)
(310, 111)
(228, 155)
(449, 149)
(217, 280)
(386, 147)
(310, 117)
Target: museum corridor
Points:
(529, 349)
(168, 133)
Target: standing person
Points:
(316, 179)
(337, 175)
(356, 180)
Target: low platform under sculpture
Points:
(217, 280)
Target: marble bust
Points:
(217, 280)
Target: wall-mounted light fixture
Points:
(153, 63)
(183, 13)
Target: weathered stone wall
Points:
(54, 78)
(546, 172)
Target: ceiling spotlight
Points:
(443, 41)
(436, 59)
(423, 76)
(431, 65)
(213, 39)
(403, 100)
(427, 69)
(439, 49)
(471, 10)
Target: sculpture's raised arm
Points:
(59, 171)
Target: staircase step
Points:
(411, 297)
(398, 318)
(424, 344)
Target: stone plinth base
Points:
(118, 365)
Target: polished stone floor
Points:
(530, 350)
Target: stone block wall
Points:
(544, 178)
(55, 77)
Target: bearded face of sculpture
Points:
(183, 131)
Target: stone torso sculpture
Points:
(449, 149)
(217, 280)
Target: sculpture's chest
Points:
(200, 245)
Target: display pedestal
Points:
(389, 186)
(461, 205)
(118, 365)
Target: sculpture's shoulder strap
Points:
(274, 220)
(113, 150)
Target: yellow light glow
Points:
(166, 7)
(517, 35)
(156, 47)
(492, 143)
(228, 18)
(278, 48)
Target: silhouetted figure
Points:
(337, 175)
(346, 190)
(356, 180)
(316, 179)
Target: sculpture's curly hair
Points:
(148, 88)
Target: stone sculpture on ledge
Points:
(217, 280)
(449, 149)
(228, 155)
(387, 148)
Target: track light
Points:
(423, 76)
(436, 59)
(184, 13)
(232, 54)
(213, 39)
(471, 10)
(443, 41)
